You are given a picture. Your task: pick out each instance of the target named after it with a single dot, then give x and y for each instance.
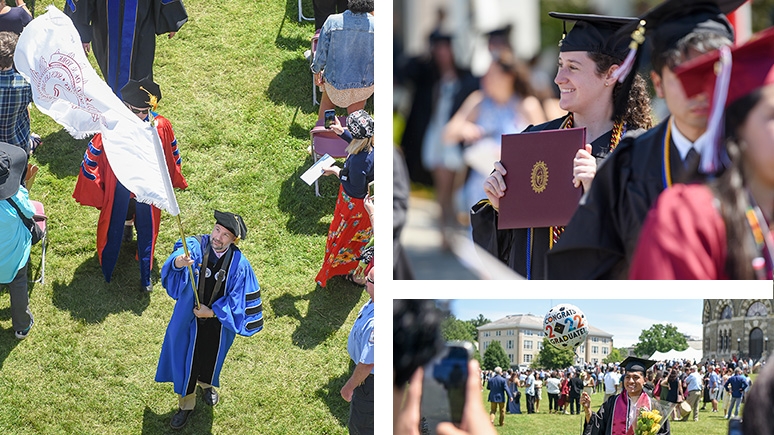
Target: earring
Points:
(607, 84)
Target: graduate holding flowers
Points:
(632, 412)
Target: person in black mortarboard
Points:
(725, 226)
(601, 237)
(499, 39)
(589, 55)
(198, 338)
(97, 186)
(620, 412)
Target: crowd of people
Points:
(704, 152)
(215, 288)
(678, 387)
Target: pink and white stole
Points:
(621, 413)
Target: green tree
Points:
(613, 356)
(551, 357)
(494, 356)
(661, 338)
(477, 322)
(453, 328)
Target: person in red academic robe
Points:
(97, 186)
(722, 229)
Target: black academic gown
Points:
(123, 33)
(510, 246)
(600, 239)
(601, 422)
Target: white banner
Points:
(65, 87)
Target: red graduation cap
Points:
(752, 66)
(727, 75)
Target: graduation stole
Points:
(619, 129)
(764, 242)
(621, 413)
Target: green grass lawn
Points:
(237, 90)
(560, 424)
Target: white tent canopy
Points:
(672, 355)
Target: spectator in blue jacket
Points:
(344, 60)
(15, 239)
(498, 390)
(737, 384)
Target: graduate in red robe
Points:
(97, 186)
(722, 229)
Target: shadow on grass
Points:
(284, 90)
(304, 210)
(61, 153)
(328, 310)
(199, 422)
(293, 43)
(7, 340)
(330, 394)
(89, 298)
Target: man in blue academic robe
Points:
(198, 339)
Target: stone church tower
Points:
(737, 328)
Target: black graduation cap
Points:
(634, 364)
(500, 32)
(141, 93)
(665, 24)
(438, 35)
(594, 33)
(232, 222)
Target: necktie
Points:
(691, 159)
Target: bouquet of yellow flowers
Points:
(649, 422)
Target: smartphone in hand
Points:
(330, 116)
(444, 385)
(371, 189)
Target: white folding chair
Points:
(301, 16)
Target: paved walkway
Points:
(422, 241)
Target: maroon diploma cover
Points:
(540, 192)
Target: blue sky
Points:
(624, 318)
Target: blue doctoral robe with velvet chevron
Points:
(239, 310)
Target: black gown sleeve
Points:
(169, 15)
(80, 12)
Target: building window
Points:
(510, 344)
(726, 314)
(595, 339)
(510, 356)
(497, 333)
(486, 345)
(707, 309)
(757, 309)
(540, 345)
(527, 358)
(604, 351)
(527, 344)
(509, 332)
(486, 333)
(528, 332)
(594, 349)
(582, 348)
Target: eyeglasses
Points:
(136, 111)
(369, 280)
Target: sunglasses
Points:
(136, 111)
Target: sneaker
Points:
(21, 335)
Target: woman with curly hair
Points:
(589, 55)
